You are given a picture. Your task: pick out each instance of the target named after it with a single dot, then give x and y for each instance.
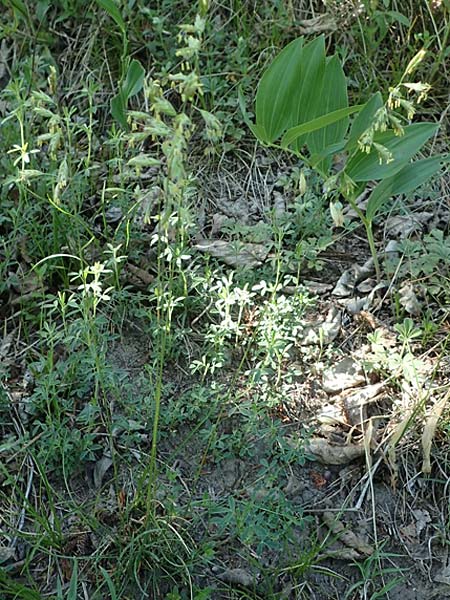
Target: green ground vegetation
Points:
(152, 325)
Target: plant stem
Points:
(369, 233)
(373, 250)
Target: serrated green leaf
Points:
(407, 179)
(113, 11)
(367, 167)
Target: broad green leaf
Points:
(111, 8)
(407, 179)
(277, 89)
(315, 159)
(132, 85)
(288, 91)
(118, 110)
(319, 123)
(310, 86)
(399, 17)
(134, 79)
(416, 173)
(364, 119)
(21, 8)
(367, 167)
(333, 97)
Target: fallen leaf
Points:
(323, 22)
(237, 577)
(219, 220)
(401, 226)
(345, 535)
(317, 287)
(100, 469)
(354, 403)
(342, 554)
(350, 278)
(423, 518)
(279, 204)
(408, 300)
(235, 254)
(318, 480)
(137, 275)
(347, 373)
(6, 553)
(429, 430)
(331, 454)
(323, 332)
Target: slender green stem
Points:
(369, 233)
(373, 250)
(153, 470)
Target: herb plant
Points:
(302, 107)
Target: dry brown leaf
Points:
(345, 535)
(429, 430)
(237, 577)
(330, 454)
(355, 403)
(396, 437)
(408, 300)
(347, 373)
(138, 276)
(235, 254)
(319, 24)
(342, 554)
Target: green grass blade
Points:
(73, 585)
(110, 584)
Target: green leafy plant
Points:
(302, 107)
